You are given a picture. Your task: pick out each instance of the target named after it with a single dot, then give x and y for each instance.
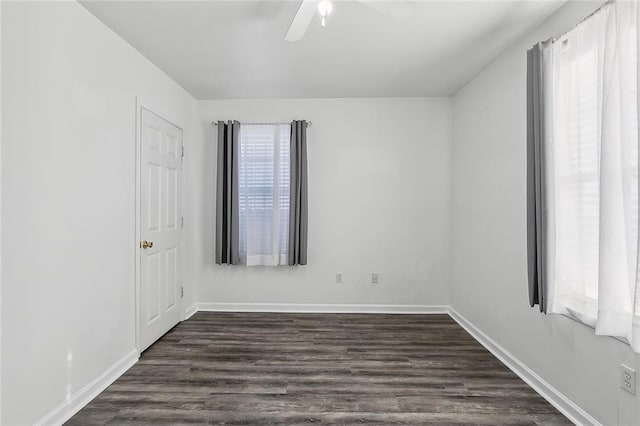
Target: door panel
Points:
(160, 208)
(154, 195)
(152, 269)
(171, 198)
(171, 281)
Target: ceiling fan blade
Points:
(301, 21)
(399, 9)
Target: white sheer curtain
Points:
(592, 173)
(264, 193)
(576, 61)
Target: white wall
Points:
(379, 199)
(1, 102)
(489, 271)
(68, 161)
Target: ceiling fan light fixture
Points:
(324, 9)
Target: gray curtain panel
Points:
(298, 208)
(536, 244)
(227, 200)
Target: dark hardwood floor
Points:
(259, 368)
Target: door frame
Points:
(153, 107)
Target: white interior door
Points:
(160, 227)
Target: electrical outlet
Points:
(628, 379)
(339, 277)
(374, 278)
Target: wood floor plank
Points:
(262, 368)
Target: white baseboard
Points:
(189, 312)
(84, 395)
(323, 308)
(567, 407)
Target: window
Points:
(261, 194)
(264, 193)
(576, 164)
(591, 173)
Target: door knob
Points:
(146, 244)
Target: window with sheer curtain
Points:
(591, 173)
(264, 193)
(576, 62)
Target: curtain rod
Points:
(215, 123)
(586, 18)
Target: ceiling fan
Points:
(396, 8)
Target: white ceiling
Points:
(236, 49)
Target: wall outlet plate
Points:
(375, 278)
(628, 379)
(339, 277)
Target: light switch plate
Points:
(339, 277)
(375, 278)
